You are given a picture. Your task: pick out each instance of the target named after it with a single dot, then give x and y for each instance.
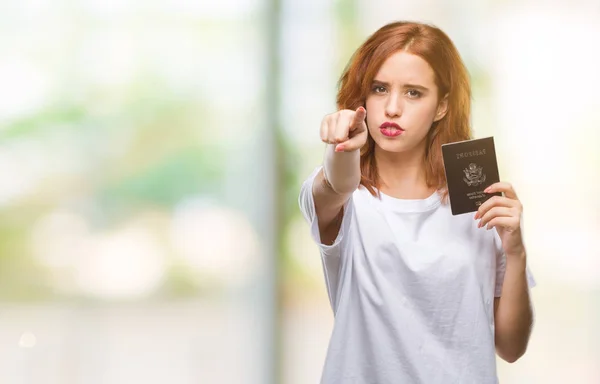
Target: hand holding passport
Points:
(471, 166)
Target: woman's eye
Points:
(414, 93)
(378, 89)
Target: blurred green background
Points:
(151, 155)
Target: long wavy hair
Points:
(451, 78)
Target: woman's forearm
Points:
(514, 312)
(342, 169)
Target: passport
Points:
(471, 166)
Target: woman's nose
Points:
(393, 106)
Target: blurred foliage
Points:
(147, 153)
(20, 278)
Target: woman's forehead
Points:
(407, 68)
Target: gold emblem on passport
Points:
(474, 175)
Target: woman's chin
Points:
(388, 146)
(395, 146)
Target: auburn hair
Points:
(451, 78)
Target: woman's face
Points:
(403, 103)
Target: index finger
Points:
(507, 188)
(359, 118)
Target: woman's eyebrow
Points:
(386, 84)
(416, 86)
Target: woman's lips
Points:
(390, 129)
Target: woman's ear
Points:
(442, 109)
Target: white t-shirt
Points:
(412, 291)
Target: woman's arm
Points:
(513, 314)
(345, 133)
(513, 311)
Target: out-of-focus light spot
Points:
(109, 59)
(125, 264)
(215, 241)
(27, 340)
(24, 87)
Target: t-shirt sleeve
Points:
(307, 207)
(501, 268)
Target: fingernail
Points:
(339, 148)
(487, 190)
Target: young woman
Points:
(418, 295)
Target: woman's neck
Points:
(402, 175)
